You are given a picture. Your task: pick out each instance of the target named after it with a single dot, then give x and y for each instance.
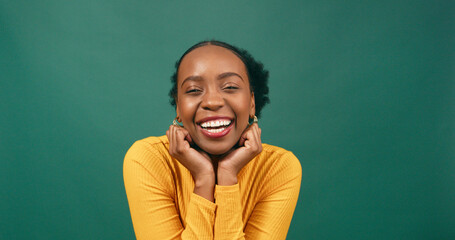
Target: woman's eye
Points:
(194, 90)
(231, 87)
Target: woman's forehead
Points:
(211, 56)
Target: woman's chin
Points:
(216, 149)
(216, 152)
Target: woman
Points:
(210, 177)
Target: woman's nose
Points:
(212, 100)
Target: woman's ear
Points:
(177, 113)
(252, 105)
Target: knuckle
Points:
(179, 132)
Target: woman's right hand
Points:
(197, 162)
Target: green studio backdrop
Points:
(363, 93)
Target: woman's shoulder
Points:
(277, 152)
(148, 161)
(268, 148)
(274, 164)
(154, 140)
(149, 148)
(278, 156)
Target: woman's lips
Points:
(216, 132)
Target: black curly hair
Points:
(257, 75)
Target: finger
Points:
(260, 136)
(258, 133)
(170, 134)
(175, 138)
(254, 141)
(258, 139)
(252, 137)
(243, 137)
(184, 131)
(188, 138)
(246, 136)
(241, 141)
(256, 130)
(181, 133)
(169, 139)
(181, 137)
(172, 142)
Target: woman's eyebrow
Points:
(191, 78)
(229, 74)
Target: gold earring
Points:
(255, 119)
(175, 122)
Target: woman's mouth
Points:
(216, 128)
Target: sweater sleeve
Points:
(272, 215)
(228, 221)
(148, 188)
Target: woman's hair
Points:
(257, 75)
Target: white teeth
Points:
(215, 130)
(217, 123)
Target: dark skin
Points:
(213, 81)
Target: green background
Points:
(363, 92)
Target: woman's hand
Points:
(197, 162)
(250, 145)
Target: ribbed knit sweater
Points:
(163, 205)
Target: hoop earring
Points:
(255, 120)
(175, 122)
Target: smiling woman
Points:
(212, 177)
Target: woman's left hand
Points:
(250, 145)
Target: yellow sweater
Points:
(163, 205)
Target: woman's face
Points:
(214, 100)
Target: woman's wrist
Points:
(204, 180)
(204, 186)
(226, 177)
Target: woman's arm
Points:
(197, 162)
(272, 215)
(148, 185)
